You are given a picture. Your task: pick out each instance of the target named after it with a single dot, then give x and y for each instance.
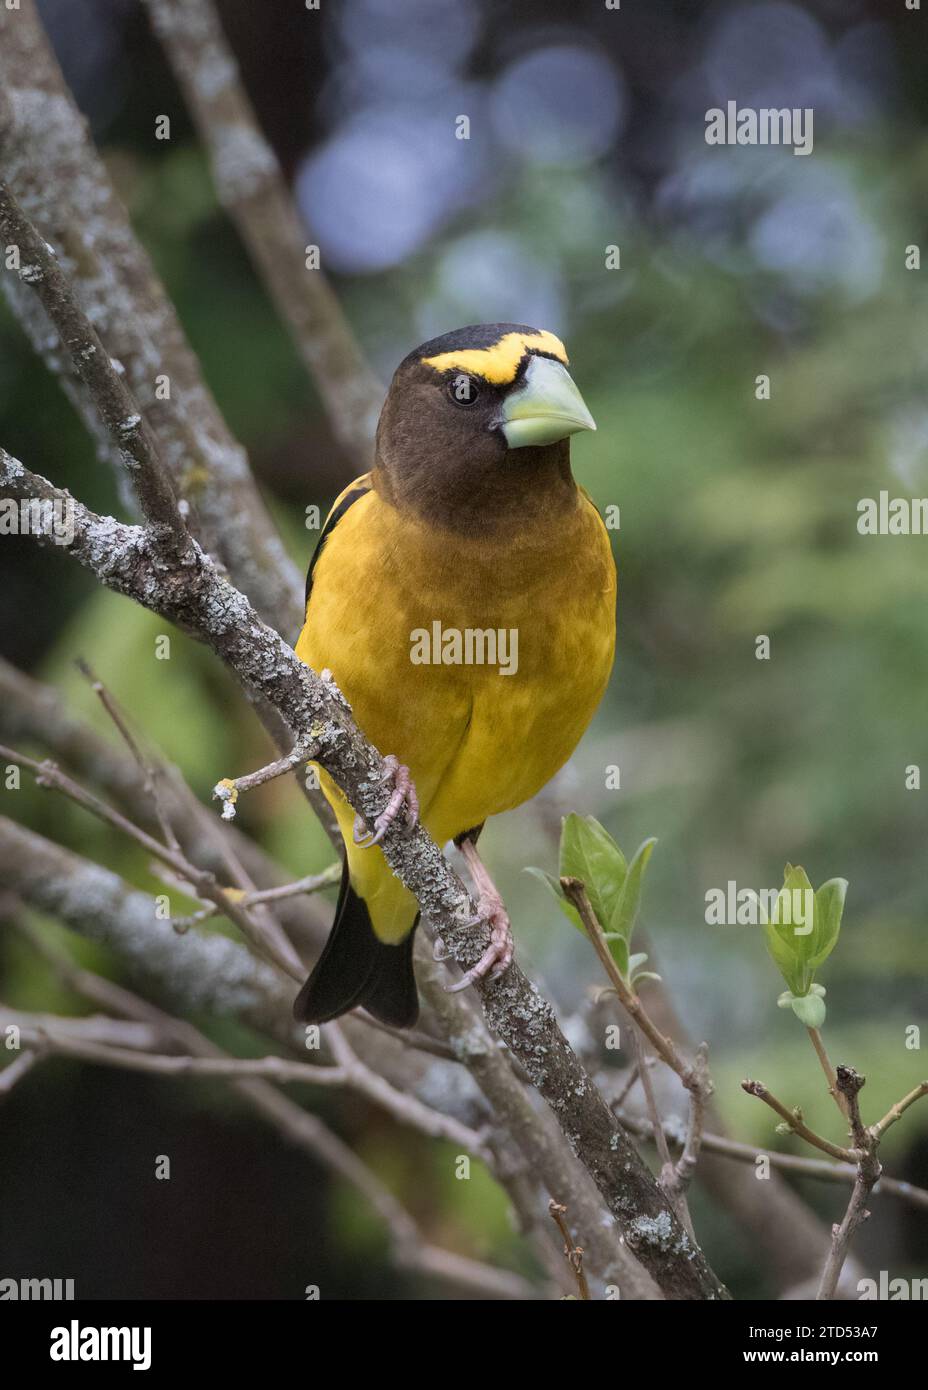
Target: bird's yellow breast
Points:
(478, 662)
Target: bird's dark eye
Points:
(463, 389)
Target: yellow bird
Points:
(462, 594)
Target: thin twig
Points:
(627, 1088)
(312, 883)
(896, 1111)
(572, 1253)
(150, 773)
(228, 789)
(575, 890)
(686, 1163)
(203, 883)
(816, 1168)
(647, 1087)
(155, 778)
(820, 1052)
(795, 1123)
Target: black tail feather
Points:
(357, 970)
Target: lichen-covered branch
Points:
(49, 161)
(193, 971)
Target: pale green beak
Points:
(546, 407)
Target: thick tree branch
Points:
(194, 972)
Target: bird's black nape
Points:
(356, 970)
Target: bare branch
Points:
(252, 189)
(152, 774)
(229, 789)
(686, 1164)
(818, 1168)
(895, 1112)
(572, 1253)
(795, 1123)
(45, 1035)
(817, 1041)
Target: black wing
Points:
(334, 518)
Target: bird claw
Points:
(497, 958)
(403, 799)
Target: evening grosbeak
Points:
(468, 540)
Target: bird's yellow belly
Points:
(478, 669)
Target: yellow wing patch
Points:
(499, 363)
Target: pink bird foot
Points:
(497, 958)
(403, 799)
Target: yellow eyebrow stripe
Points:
(500, 362)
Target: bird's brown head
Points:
(476, 425)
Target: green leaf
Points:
(554, 887)
(797, 944)
(829, 909)
(618, 949)
(809, 1009)
(783, 952)
(625, 912)
(588, 852)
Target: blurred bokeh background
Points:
(738, 518)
